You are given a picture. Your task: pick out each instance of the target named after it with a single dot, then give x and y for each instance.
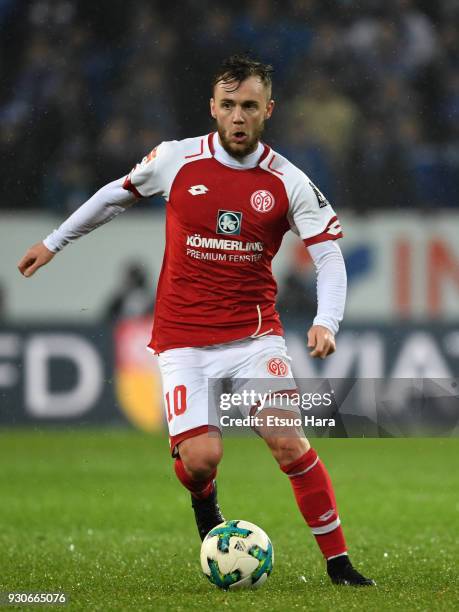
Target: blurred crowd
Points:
(367, 92)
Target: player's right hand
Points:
(36, 257)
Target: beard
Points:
(239, 151)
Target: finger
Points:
(329, 348)
(324, 352)
(32, 269)
(25, 262)
(311, 339)
(319, 348)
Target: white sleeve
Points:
(104, 205)
(153, 174)
(311, 215)
(331, 284)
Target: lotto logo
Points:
(277, 367)
(334, 227)
(327, 515)
(262, 201)
(198, 190)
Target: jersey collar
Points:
(249, 161)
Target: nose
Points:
(237, 115)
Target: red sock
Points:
(198, 488)
(316, 500)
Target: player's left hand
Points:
(322, 341)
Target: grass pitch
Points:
(99, 515)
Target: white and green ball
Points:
(237, 554)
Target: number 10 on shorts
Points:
(178, 403)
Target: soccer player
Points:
(230, 199)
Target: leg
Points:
(310, 482)
(194, 438)
(312, 488)
(315, 497)
(196, 468)
(286, 444)
(266, 368)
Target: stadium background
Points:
(367, 104)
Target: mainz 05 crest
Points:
(320, 196)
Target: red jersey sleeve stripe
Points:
(132, 188)
(333, 231)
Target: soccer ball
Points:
(237, 554)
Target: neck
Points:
(240, 163)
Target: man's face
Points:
(240, 110)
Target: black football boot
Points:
(341, 571)
(207, 512)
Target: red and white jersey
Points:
(223, 227)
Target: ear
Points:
(269, 109)
(212, 108)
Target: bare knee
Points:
(286, 450)
(201, 455)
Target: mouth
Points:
(239, 136)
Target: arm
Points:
(312, 217)
(331, 297)
(103, 206)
